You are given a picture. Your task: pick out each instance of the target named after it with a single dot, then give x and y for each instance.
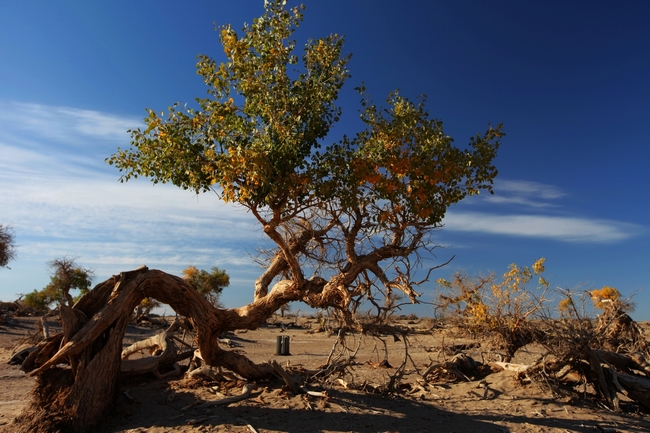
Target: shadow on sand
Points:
(346, 412)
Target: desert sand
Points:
(350, 404)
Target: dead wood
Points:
(637, 388)
(288, 379)
(509, 366)
(205, 371)
(162, 350)
(44, 327)
(245, 393)
(602, 385)
(616, 331)
(623, 362)
(458, 369)
(19, 357)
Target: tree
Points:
(66, 277)
(209, 284)
(354, 214)
(348, 222)
(143, 310)
(7, 245)
(284, 309)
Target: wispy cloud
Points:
(525, 193)
(65, 125)
(101, 207)
(38, 139)
(544, 216)
(558, 228)
(63, 200)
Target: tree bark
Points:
(78, 397)
(637, 388)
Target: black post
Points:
(285, 346)
(278, 345)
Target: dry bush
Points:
(605, 354)
(500, 311)
(615, 329)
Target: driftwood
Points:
(205, 371)
(610, 373)
(509, 366)
(290, 381)
(19, 357)
(623, 362)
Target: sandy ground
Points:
(156, 404)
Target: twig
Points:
(338, 339)
(247, 424)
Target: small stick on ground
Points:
(245, 393)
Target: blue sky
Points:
(569, 79)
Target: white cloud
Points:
(525, 193)
(60, 207)
(63, 200)
(63, 124)
(558, 228)
(529, 188)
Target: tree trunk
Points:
(78, 397)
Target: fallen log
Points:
(163, 353)
(509, 366)
(623, 362)
(637, 388)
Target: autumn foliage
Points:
(500, 308)
(209, 284)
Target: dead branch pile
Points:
(579, 353)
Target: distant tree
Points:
(209, 284)
(284, 309)
(144, 308)
(66, 277)
(7, 246)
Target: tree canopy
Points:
(209, 284)
(7, 245)
(355, 214)
(66, 277)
